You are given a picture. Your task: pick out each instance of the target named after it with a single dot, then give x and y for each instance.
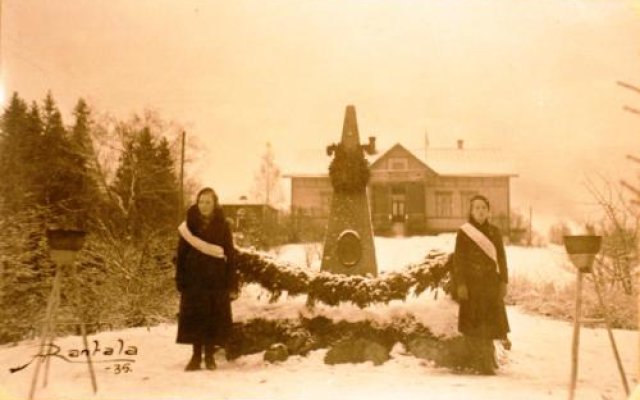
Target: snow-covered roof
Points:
(308, 163)
(464, 161)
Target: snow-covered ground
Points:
(537, 367)
(539, 264)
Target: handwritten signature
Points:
(119, 355)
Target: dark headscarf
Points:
(485, 201)
(195, 220)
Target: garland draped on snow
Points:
(345, 341)
(331, 289)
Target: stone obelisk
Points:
(348, 244)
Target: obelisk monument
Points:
(348, 243)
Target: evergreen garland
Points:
(303, 334)
(349, 170)
(332, 289)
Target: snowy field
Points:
(537, 367)
(547, 264)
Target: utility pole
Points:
(181, 195)
(530, 224)
(267, 174)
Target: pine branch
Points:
(633, 158)
(630, 187)
(631, 110)
(628, 86)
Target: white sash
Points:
(482, 241)
(209, 249)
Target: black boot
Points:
(209, 360)
(196, 359)
(488, 363)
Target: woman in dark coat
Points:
(480, 271)
(206, 279)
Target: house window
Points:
(398, 163)
(444, 204)
(465, 202)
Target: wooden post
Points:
(92, 373)
(44, 333)
(181, 194)
(530, 225)
(576, 336)
(607, 321)
(638, 285)
(83, 330)
(52, 331)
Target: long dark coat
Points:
(205, 282)
(483, 315)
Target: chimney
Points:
(460, 144)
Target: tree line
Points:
(114, 178)
(49, 165)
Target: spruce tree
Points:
(146, 183)
(87, 196)
(63, 175)
(81, 131)
(14, 150)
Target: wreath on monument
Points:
(349, 170)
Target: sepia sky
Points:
(535, 78)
